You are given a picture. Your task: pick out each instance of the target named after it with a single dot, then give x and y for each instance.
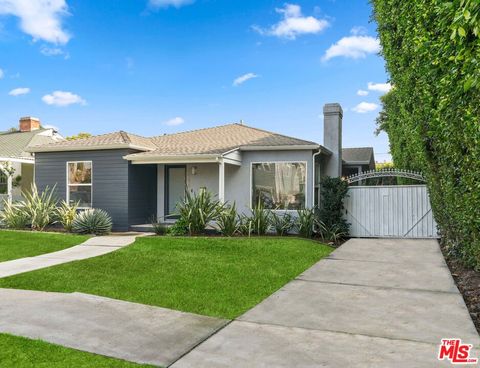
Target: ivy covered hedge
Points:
(432, 115)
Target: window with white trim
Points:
(79, 183)
(279, 185)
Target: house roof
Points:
(357, 155)
(114, 140)
(15, 145)
(208, 141)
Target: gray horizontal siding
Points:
(110, 179)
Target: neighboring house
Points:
(16, 163)
(136, 178)
(357, 160)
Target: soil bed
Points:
(468, 282)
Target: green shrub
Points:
(431, 116)
(333, 233)
(332, 194)
(306, 221)
(198, 210)
(228, 221)
(159, 228)
(12, 217)
(66, 213)
(40, 208)
(92, 221)
(282, 223)
(179, 228)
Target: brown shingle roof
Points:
(119, 139)
(216, 140)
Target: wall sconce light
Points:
(194, 170)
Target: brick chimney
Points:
(29, 123)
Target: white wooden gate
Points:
(399, 211)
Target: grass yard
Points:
(20, 244)
(220, 277)
(20, 352)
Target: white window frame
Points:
(79, 185)
(280, 162)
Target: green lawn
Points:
(20, 352)
(222, 277)
(19, 244)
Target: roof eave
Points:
(97, 147)
(167, 159)
(289, 147)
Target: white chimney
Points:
(332, 138)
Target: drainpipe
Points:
(314, 177)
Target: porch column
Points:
(221, 181)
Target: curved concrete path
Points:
(371, 303)
(93, 247)
(115, 328)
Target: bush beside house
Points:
(432, 52)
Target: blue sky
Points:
(160, 66)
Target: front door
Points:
(175, 187)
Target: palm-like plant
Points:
(66, 213)
(306, 222)
(198, 210)
(228, 221)
(282, 223)
(259, 221)
(40, 208)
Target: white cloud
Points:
(293, 24)
(379, 87)
(19, 91)
(53, 51)
(364, 107)
(167, 3)
(353, 47)
(62, 98)
(41, 19)
(243, 78)
(175, 121)
(362, 92)
(358, 31)
(1, 73)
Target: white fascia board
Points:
(22, 160)
(196, 159)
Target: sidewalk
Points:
(372, 303)
(93, 247)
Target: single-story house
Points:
(16, 162)
(136, 178)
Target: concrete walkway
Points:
(372, 303)
(93, 247)
(124, 330)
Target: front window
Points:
(279, 185)
(3, 183)
(79, 183)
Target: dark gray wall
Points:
(142, 194)
(111, 188)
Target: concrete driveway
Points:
(372, 303)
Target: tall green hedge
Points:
(432, 115)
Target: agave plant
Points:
(228, 221)
(333, 233)
(66, 213)
(198, 210)
(39, 208)
(306, 222)
(282, 223)
(92, 221)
